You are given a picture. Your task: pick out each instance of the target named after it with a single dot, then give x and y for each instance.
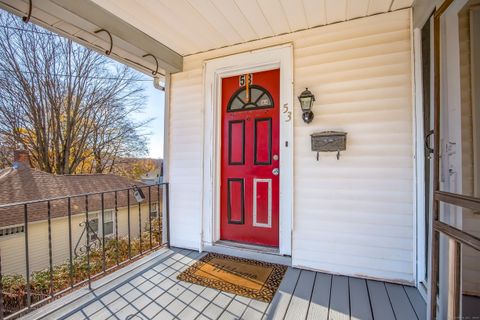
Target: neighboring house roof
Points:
(21, 183)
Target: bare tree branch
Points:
(70, 107)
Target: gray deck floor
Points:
(153, 292)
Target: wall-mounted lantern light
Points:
(306, 99)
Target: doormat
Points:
(249, 278)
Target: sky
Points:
(154, 109)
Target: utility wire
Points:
(56, 74)
(75, 76)
(28, 30)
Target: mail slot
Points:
(329, 141)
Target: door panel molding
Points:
(256, 161)
(269, 203)
(230, 144)
(230, 198)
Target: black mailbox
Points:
(329, 141)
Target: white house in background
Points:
(362, 187)
(152, 177)
(23, 183)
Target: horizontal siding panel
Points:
(365, 240)
(358, 74)
(186, 143)
(365, 214)
(356, 53)
(354, 173)
(358, 42)
(342, 32)
(352, 64)
(349, 192)
(346, 270)
(358, 261)
(356, 250)
(353, 216)
(397, 222)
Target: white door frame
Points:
(214, 70)
(420, 161)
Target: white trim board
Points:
(214, 70)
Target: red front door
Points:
(250, 158)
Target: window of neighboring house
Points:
(108, 226)
(108, 222)
(11, 230)
(93, 223)
(154, 212)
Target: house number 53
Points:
(289, 113)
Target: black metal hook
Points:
(107, 52)
(156, 62)
(26, 19)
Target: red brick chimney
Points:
(21, 158)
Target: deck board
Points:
(359, 300)
(298, 307)
(381, 307)
(320, 302)
(470, 307)
(339, 299)
(401, 305)
(279, 305)
(255, 310)
(154, 292)
(419, 305)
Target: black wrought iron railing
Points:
(103, 230)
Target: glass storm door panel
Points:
(250, 169)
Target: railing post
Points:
(140, 225)
(2, 308)
(27, 257)
(159, 214)
(103, 231)
(50, 253)
(116, 229)
(167, 213)
(128, 225)
(87, 226)
(70, 264)
(150, 215)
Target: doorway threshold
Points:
(249, 251)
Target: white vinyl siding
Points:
(352, 216)
(12, 247)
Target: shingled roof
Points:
(22, 183)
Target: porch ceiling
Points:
(170, 29)
(192, 26)
(82, 21)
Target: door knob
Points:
(275, 171)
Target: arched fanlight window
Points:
(258, 98)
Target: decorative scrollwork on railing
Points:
(89, 244)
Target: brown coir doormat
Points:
(248, 278)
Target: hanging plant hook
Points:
(156, 62)
(26, 18)
(107, 52)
